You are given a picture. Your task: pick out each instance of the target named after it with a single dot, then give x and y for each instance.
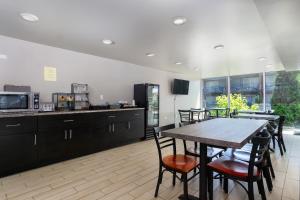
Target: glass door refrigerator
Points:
(147, 96)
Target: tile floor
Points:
(130, 172)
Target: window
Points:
(250, 87)
(213, 88)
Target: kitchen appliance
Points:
(63, 101)
(147, 96)
(19, 101)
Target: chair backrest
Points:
(163, 142)
(260, 146)
(185, 115)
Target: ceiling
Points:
(248, 29)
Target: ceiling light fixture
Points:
(196, 69)
(178, 63)
(150, 54)
(29, 17)
(179, 20)
(3, 57)
(219, 47)
(262, 59)
(108, 42)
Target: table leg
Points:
(202, 176)
(203, 172)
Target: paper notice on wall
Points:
(49, 73)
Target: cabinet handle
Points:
(35, 140)
(71, 134)
(13, 125)
(129, 125)
(66, 135)
(69, 120)
(109, 128)
(137, 114)
(113, 127)
(111, 116)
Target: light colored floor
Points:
(130, 172)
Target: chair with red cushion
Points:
(241, 171)
(265, 166)
(175, 163)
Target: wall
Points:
(111, 78)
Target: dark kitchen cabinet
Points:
(63, 137)
(17, 144)
(29, 142)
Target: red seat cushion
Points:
(232, 167)
(180, 163)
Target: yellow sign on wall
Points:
(49, 73)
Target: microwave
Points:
(19, 101)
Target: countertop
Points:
(24, 114)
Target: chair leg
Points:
(174, 178)
(261, 189)
(273, 140)
(159, 181)
(250, 191)
(185, 187)
(225, 185)
(280, 146)
(270, 166)
(268, 178)
(283, 145)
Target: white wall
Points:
(111, 78)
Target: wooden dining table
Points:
(256, 116)
(223, 132)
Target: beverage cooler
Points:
(147, 96)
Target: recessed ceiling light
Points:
(29, 17)
(150, 54)
(196, 69)
(178, 63)
(269, 66)
(108, 42)
(3, 57)
(262, 59)
(219, 47)
(179, 20)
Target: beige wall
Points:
(111, 78)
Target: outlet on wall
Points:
(101, 97)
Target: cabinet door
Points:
(17, 152)
(79, 142)
(52, 145)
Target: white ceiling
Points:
(248, 29)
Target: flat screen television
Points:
(180, 87)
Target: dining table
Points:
(269, 117)
(222, 132)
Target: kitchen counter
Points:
(23, 114)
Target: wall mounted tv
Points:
(180, 87)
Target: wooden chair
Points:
(238, 170)
(278, 136)
(176, 163)
(265, 166)
(185, 115)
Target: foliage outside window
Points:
(237, 102)
(285, 98)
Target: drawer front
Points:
(17, 125)
(58, 122)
